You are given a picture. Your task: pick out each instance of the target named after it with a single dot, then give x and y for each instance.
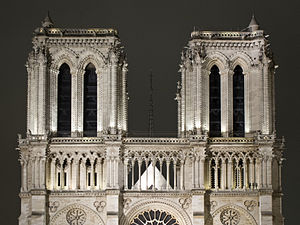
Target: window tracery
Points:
(234, 170)
(76, 216)
(230, 217)
(154, 217)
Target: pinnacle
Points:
(253, 25)
(47, 22)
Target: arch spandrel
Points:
(61, 60)
(181, 216)
(91, 55)
(243, 60)
(83, 216)
(218, 59)
(231, 213)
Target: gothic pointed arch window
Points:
(238, 103)
(64, 101)
(214, 102)
(90, 101)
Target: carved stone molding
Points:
(126, 202)
(53, 206)
(213, 205)
(185, 202)
(250, 204)
(99, 205)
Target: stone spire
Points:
(47, 22)
(151, 118)
(253, 25)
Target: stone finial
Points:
(253, 25)
(47, 22)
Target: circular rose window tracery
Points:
(230, 217)
(76, 216)
(154, 217)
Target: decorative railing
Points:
(145, 140)
(71, 140)
(226, 34)
(231, 140)
(81, 32)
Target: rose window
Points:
(76, 216)
(154, 217)
(230, 217)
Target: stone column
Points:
(168, 174)
(258, 172)
(245, 185)
(229, 174)
(124, 96)
(83, 174)
(52, 174)
(202, 169)
(108, 177)
(264, 173)
(56, 177)
(69, 176)
(266, 99)
(153, 165)
(269, 172)
(132, 173)
(62, 174)
(247, 91)
(22, 175)
(199, 96)
(53, 100)
(100, 173)
(92, 174)
(279, 175)
(100, 74)
(183, 104)
(182, 174)
(113, 121)
(216, 175)
(226, 102)
(113, 172)
(32, 172)
(125, 174)
(75, 168)
(140, 173)
(197, 172)
(251, 173)
(147, 163)
(117, 172)
(175, 175)
(160, 169)
(193, 172)
(76, 101)
(223, 174)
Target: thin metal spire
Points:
(150, 113)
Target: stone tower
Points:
(80, 167)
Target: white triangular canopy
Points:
(160, 181)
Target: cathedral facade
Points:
(79, 167)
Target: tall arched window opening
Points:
(64, 101)
(238, 103)
(214, 103)
(90, 102)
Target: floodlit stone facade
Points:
(224, 168)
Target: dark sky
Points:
(153, 34)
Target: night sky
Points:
(153, 34)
